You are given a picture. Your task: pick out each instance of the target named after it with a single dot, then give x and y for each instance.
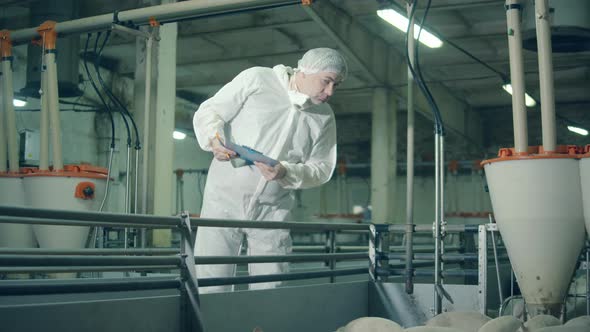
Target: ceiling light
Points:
(401, 22)
(577, 130)
(528, 100)
(19, 102)
(178, 135)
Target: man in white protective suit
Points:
(282, 113)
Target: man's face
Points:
(320, 86)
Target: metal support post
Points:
(188, 277)
(483, 269)
(379, 251)
(332, 250)
(494, 228)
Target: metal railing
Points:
(18, 260)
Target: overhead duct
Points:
(570, 26)
(67, 49)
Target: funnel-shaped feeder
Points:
(77, 188)
(12, 194)
(537, 204)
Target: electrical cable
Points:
(117, 100)
(107, 108)
(502, 75)
(438, 127)
(103, 85)
(65, 102)
(419, 70)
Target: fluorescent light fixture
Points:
(401, 22)
(579, 131)
(19, 102)
(178, 135)
(528, 100)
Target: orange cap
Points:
(48, 34)
(5, 43)
(535, 152)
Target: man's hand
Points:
(219, 152)
(271, 173)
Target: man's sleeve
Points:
(212, 114)
(319, 168)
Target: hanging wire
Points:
(113, 97)
(109, 111)
(438, 124)
(103, 85)
(107, 108)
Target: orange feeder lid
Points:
(78, 171)
(535, 152)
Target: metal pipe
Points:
(146, 122)
(200, 260)
(35, 287)
(409, 230)
(519, 117)
(10, 124)
(10, 214)
(44, 125)
(279, 277)
(127, 179)
(178, 210)
(108, 180)
(181, 193)
(127, 191)
(442, 227)
(430, 273)
(136, 181)
(542, 17)
(80, 260)
(448, 258)
(360, 248)
(163, 13)
(52, 99)
(501, 296)
(137, 33)
(60, 269)
(437, 298)
(332, 239)
(104, 252)
(34, 259)
(3, 149)
(422, 228)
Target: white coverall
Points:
(257, 109)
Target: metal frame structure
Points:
(59, 260)
(15, 260)
(379, 256)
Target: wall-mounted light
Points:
(577, 130)
(528, 100)
(178, 135)
(401, 22)
(19, 102)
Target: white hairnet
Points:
(323, 59)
